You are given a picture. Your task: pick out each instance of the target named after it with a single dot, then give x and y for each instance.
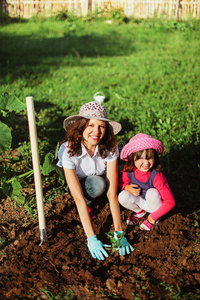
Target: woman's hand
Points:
(133, 189)
(125, 247)
(96, 248)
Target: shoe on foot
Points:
(134, 218)
(141, 213)
(146, 225)
(91, 213)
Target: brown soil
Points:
(164, 265)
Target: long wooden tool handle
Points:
(36, 163)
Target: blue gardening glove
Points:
(96, 248)
(125, 248)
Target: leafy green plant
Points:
(65, 295)
(9, 104)
(3, 241)
(49, 165)
(12, 188)
(62, 14)
(118, 16)
(135, 295)
(12, 185)
(175, 293)
(115, 242)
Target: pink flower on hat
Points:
(139, 142)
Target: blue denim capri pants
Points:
(93, 187)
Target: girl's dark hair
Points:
(75, 136)
(137, 155)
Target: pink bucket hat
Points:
(92, 110)
(139, 142)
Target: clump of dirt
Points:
(164, 265)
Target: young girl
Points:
(89, 160)
(144, 188)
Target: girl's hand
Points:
(133, 189)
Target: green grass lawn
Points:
(148, 71)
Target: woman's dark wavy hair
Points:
(75, 137)
(137, 155)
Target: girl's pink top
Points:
(160, 183)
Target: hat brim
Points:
(68, 122)
(130, 148)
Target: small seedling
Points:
(115, 242)
(3, 241)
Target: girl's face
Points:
(145, 162)
(94, 132)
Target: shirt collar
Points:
(84, 151)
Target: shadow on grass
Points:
(30, 56)
(182, 169)
(49, 120)
(5, 19)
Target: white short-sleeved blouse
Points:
(85, 165)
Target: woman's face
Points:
(94, 132)
(145, 162)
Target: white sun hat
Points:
(92, 110)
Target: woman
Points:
(89, 160)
